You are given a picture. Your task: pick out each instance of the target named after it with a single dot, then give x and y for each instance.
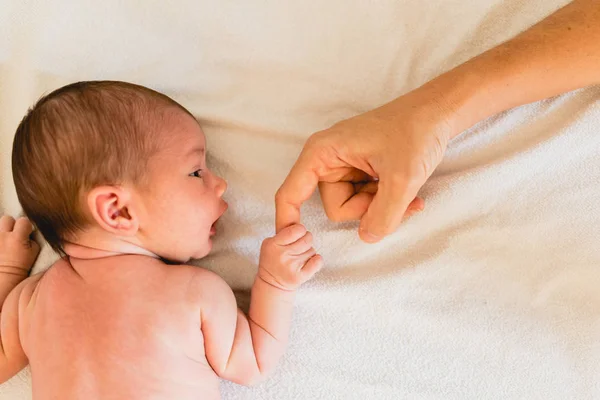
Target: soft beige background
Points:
(492, 292)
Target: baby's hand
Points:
(17, 250)
(288, 259)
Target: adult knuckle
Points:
(398, 179)
(314, 140)
(334, 213)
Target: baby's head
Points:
(116, 166)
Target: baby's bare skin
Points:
(96, 330)
(133, 327)
(113, 321)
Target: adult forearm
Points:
(559, 54)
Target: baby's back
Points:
(124, 327)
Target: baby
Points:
(115, 178)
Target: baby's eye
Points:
(197, 173)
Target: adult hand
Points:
(370, 167)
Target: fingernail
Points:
(370, 238)
(367, 236)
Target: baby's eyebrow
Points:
(194, 151)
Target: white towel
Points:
(491, 293)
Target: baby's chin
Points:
(205, 249)
(194, 250)
(196, 254)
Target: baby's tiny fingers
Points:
(301, 245)
(23, 228)
(311, 267)
(289, 234)
(33, 250)
(6, 223)
(301, 259)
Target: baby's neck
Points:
(88, 247)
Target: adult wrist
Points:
(463, 96)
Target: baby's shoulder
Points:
(205, 286)
(198, 282)
(26, 290)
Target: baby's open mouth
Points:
(213, 227)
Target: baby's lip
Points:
(224, 209)
(213, 228)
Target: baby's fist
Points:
(288, 259)
(17, 250)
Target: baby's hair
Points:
(78, 137)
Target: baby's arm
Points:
(17, 254)
(246, 349)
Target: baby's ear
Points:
(111, 208)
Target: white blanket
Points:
(492, 292)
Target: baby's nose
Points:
(221, 186)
